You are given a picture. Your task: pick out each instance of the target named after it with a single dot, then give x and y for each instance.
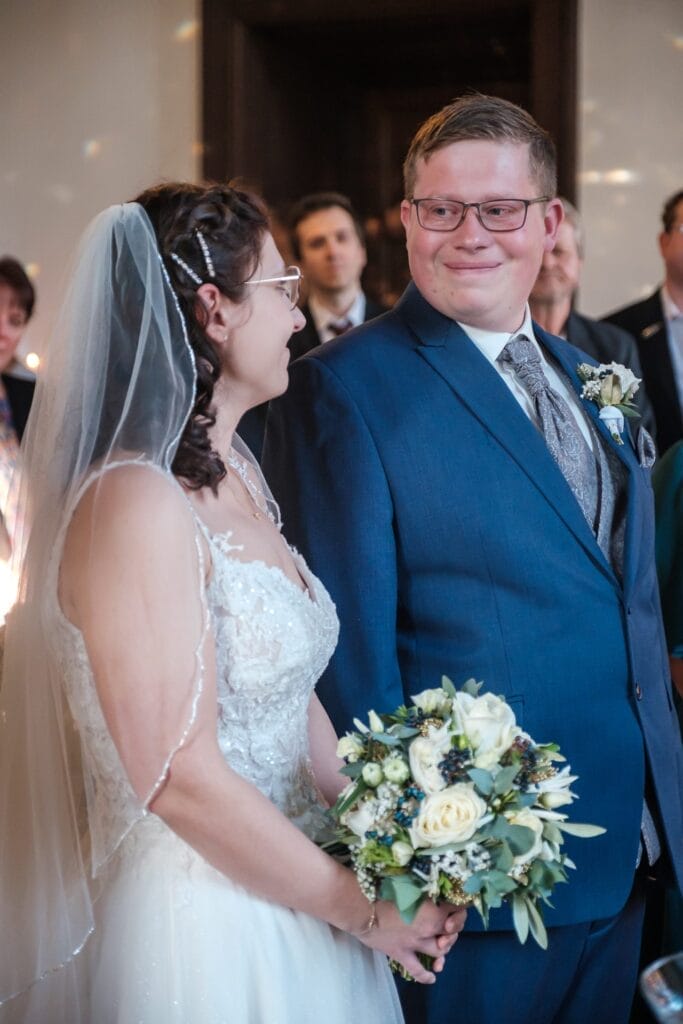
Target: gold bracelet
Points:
(372, 921)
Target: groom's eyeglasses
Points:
(494, 215)
(290, 283)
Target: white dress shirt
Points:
(492, 343)
(322, 317)
(673, 318)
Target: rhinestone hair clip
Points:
(188, 269)
(203, 245)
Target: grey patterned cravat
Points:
(565, 441)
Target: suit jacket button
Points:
(639, 692)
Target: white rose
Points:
(432, 701)
(528, 819)
(425, 754)
(402, 852)
(462, 702)
(362, 818)
(627, 379)
(491, 729)
(349, 747)
(451, 816)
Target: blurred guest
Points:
(657, 325)
(17, 299)
(667, 480)
(551, 302)
(328, 244)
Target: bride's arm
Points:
(131, 582)
(323, 746)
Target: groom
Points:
(471, 515)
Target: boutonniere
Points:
(612, 387)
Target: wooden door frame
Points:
(228, 48)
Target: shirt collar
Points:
(492, 343)
(322, 316)
(671, 310)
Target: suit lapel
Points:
(446, 347)
(568, 359)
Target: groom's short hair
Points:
(476, 116)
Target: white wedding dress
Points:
(175, 941)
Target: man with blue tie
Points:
(471, 515)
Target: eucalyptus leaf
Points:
(503, 857)
(482, 779)
(521, 839)
(501, 882)
(505, 778)
(386, 738)
(552, 833)
(447, 686)
(405, 732)
(473, 884)
(405, 892)
(574, 828)
(352, 771)
(472, 687)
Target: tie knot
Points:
(520, 353)
(339, 326)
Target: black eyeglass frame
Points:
(476, 207)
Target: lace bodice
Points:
(273, 640)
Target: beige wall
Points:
(630, 142)
(99, 99)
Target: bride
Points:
(163, 757)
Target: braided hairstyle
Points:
(233, 223)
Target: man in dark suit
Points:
(17, 299)
(471, 515)
(328, 244)
(551, 303)
(656, 323)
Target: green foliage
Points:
(405, 892)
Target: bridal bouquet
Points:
(450, 800)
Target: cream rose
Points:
(349, 747)
(362, 819)
(425, 754)
(451, 816)
(491, 728)
(432, 701)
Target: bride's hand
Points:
(433, 931)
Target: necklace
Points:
(253, 493)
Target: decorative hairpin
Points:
(188, 270)
(203, 245)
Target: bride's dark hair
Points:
(232, 223)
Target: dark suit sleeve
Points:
(324, 469)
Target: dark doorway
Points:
(316, 94)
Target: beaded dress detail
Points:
(176, 941)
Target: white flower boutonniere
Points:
(612, 387)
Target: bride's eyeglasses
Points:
(290, 282)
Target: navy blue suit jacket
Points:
(431, 508)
